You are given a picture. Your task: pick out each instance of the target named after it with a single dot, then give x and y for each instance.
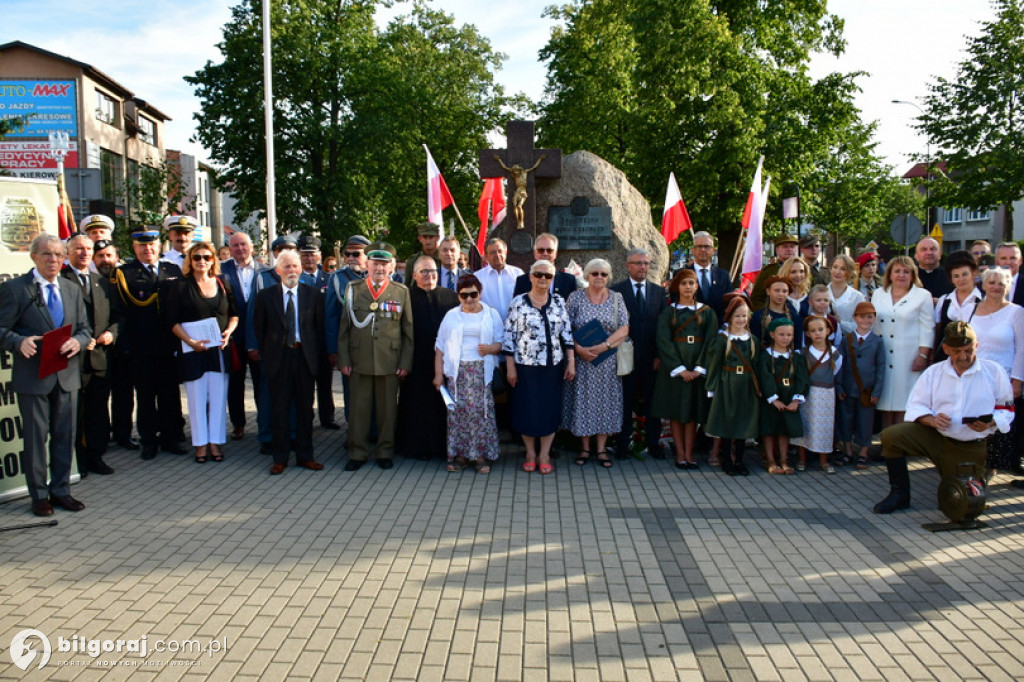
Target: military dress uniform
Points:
(375, 339)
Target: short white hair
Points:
(597, 264)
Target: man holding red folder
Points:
(31, 306)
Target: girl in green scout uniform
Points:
(823, 363)
(733, 386)
(783, 376)
(685, 330)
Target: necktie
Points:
(451, 280)
(289, 313)
(860, 341)
(53, 304)
(152, 270)
(640, 295)
(83, 280)
(705, 285)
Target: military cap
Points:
(182, 223)
(357, 240)
(144, 235)
(428, 229)
(285, 241)
(809, 240)
(309, 243)
(380, 251)
(785, 239)
(959, 334)
(96, 221)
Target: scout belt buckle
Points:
(739, 369)
(785, 382)
(690, 339)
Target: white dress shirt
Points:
(981, 390)
(498, 286)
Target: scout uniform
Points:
(683, 337)
(375, 340)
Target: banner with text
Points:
(51, 106)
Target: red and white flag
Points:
(438, 196)
(675, 219)
(753, 220)
(492, 205)
(65, 216)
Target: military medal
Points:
(373, 306)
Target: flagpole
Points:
(466, 229)
(268, 123)
(737, 257)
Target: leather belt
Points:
(738, 369)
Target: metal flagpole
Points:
(268, 118)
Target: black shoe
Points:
(1017, 484)
(265, 449)
(175, 449)
(899, 498)
(354, 465)
(741, 469)
(385, 463)
(692, 465)
(729, 469)
(656, 453)
(333, 426)
(130, 444)
(149, 452)
(101, 468)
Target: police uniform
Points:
(375, 339)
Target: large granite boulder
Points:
(587, 175)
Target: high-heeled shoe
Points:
(215, 453)
(201, 454)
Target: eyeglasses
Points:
(539, 249)
(466, 295)
(428, 273)
(702, 246)
(196, 257)
(353, 254)
(599, 274)
(644, 263)
(544, 275)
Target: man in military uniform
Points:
(142, 285)
(179, 229)
(375, 348)
(810, 251)
(785, 248)
(354, 257)
(97, 227)
(313, 275)
(428, 234)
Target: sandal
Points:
(862, 462)
(201, 454)
(215, 453)
(788, 470)
(844, 461)
(602, 459)
(801, 467)
(828, 469)
(583, 458)
(530, 467)
(775, 470)
(457, 464)
(481, 466)
(546, 468)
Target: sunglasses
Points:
(542, 250)
(201, 256)
(353, 254)
(466, 295)
(543, 275)
(599, 274)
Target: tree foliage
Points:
(702, 88)
(975, 121)
(353, 105)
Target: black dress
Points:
(422, 417)
(185, 303)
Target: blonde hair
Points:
(851, 267)
(905, 261)
(788, 266)
(186, 265)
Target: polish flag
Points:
(65, 216)
(675, 219)
(438, 196)
(492, 204)
(753, 221)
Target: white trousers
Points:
(208, 408)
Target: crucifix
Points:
(522, 164)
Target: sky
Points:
(148, 46)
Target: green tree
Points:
(10, 125)
(703, 88)
(975, 121)
(353, 105)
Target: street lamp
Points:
(60, 146)
(928, 169)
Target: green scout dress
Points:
(783, 375)
(683, 336)
(736, 406)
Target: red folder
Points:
(51, 360)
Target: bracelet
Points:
(608, 345)
(923, 356)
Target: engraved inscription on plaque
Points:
(581, 227)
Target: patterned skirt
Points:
(472, 429)
(819, 416)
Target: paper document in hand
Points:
(202, 330)
(447, 397)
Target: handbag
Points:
(624, 353)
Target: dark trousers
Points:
(325, 390)
(947, 454)
(638, 391)
(292, 390)
(122, 396)
(236, 391)
(93, 419)
(47, 417)
(158, 398)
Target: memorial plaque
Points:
(581, 227)
(521, 242)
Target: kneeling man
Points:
(955, 405)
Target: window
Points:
(953, 215)
(977, 215)
(111, 174)
(106, 108)
(147, 130)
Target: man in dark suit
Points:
(645, 302)
(289, 325)
(712, 283)
(31, 305)
(239, 272)
(546, 248)
(142, 285)
(449, 272)
(105, 317)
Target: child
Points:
(819, 412)
(864, 356)
(783, 376)
(818, 302)
(778, 305)
(733, 387)
(685, 330)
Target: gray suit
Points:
(47, 405)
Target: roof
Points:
(920, 170)
(93, 73)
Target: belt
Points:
(297, 344)
(690, 339)
(738, 369)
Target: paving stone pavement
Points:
(640, 572)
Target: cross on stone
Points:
(519, 137)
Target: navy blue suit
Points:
(720, 286)
(236, 380)
(325, 371)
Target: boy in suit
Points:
(863, 375)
